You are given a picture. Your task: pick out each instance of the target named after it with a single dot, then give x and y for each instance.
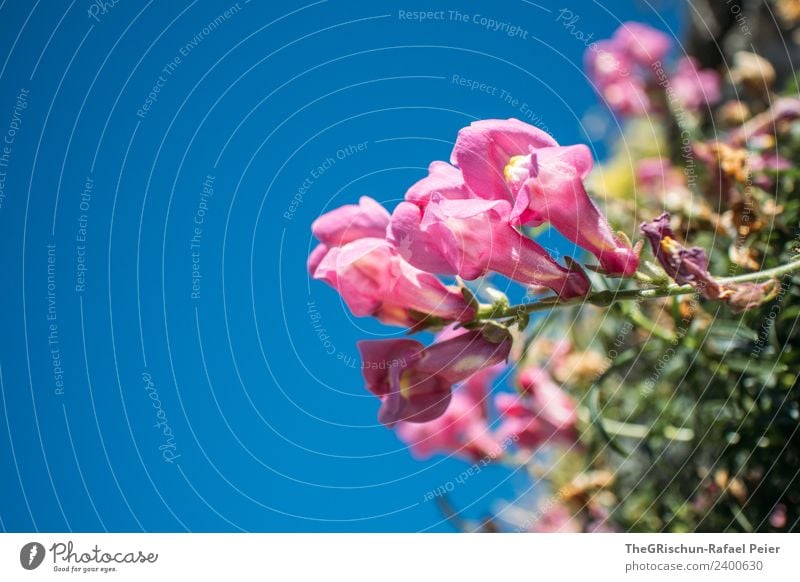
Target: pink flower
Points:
(557, 519)
(642, 43)
(470, 237)
(346, 224)
(351, 222)
(607, 62)
(354, 258)
(615, 76)
(695, 87)
(543, 414)
(766, 166)
(414, 382)
(373, 279)
(777, 518)
(627, 96)
(658, 174)
(442, 179)
(315, 258)
(554, 405)
(510, 160)
(483, 151)
(621, 68)
(463, 428)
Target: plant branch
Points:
(606, 298)
(599, 299)
(760, 276)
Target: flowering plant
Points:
(662, 371)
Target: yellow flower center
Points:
(514, 168)
(669, 244)
(405, 384)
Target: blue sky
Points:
(161, 369)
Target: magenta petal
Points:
(351, 222)
(462, 430)
(559, 195)
(695, 87)
(483, 150)
(478, 386)
(425, 293)
(379, 357)
(417, 246)
(524, 260)
(607, 62)
(358, 271)
(373, 279)
(643, 43)
(458, 358)
(509, 404)
(315, 258)
(427, 399)
(442, 179)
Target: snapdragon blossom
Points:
(470, 237)
(415, 382)
(542, 414)
(373, 279)
(463, 429)
(511, 160)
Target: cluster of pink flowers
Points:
(628, 72)
(466, 218)
(539, 414)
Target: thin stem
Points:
(758, 276)
(606, 298)
(615, 428)
(599, 298)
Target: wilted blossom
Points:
(463, 429)
(695, 87)
(690, 267)
(745, 296)
(371, 276)
(414, 382)
(784, 110)
(684, 266)
(542, 414)
(753, 71)
(513, 161)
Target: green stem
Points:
(599, 298)
(759, 276)
(606, 298)
(616, 428)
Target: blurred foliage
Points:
(696, 416)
